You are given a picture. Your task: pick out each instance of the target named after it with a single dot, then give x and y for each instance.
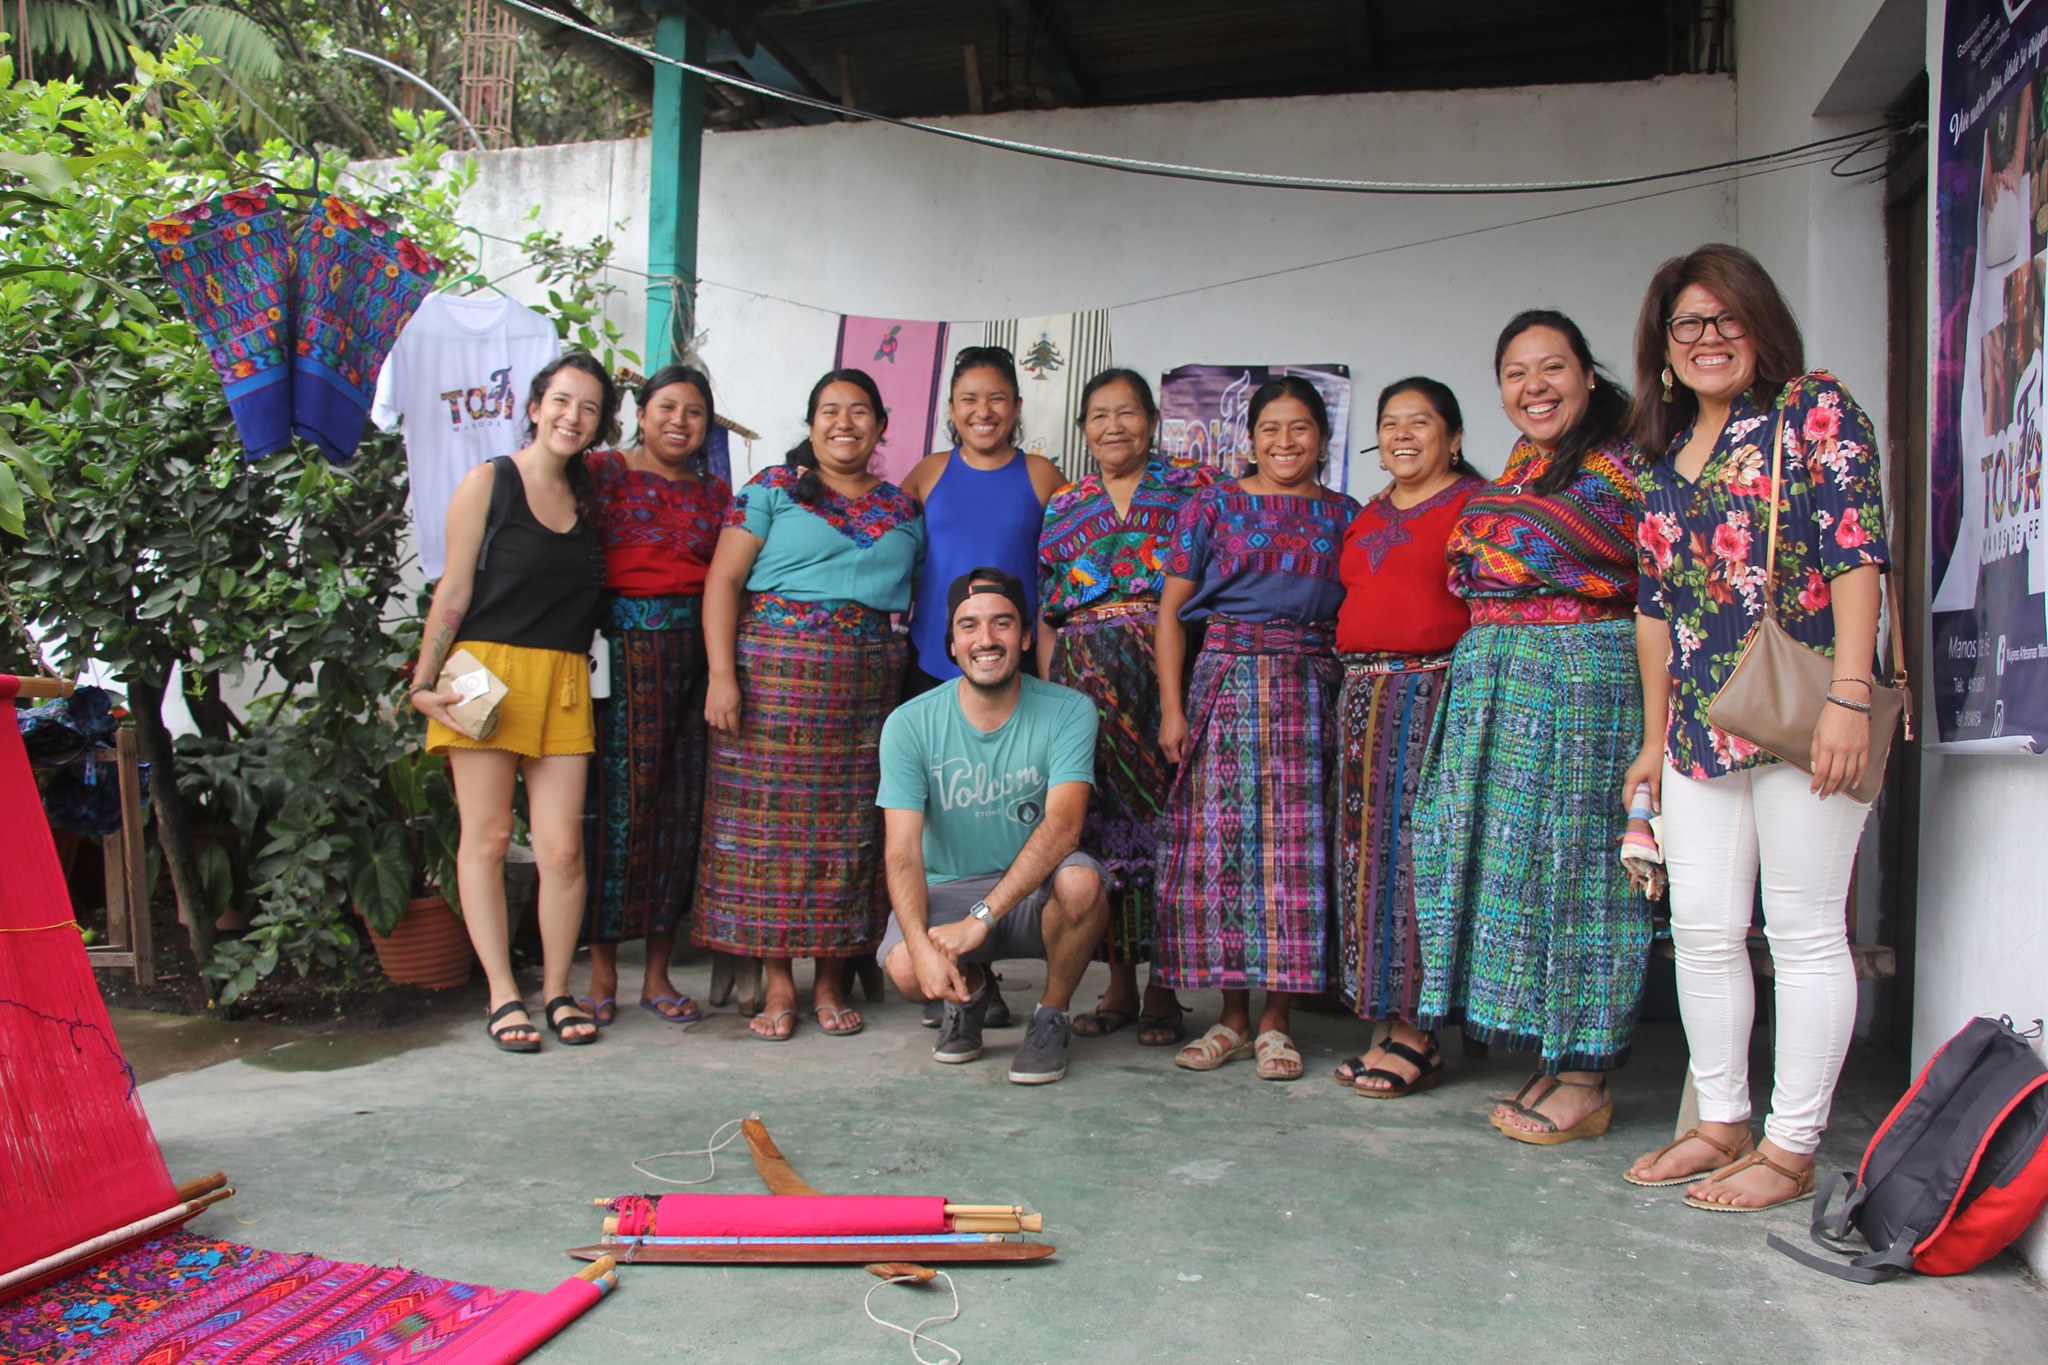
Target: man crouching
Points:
(984, 789)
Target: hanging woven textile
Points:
(297, 311)
(229, 262)
(354, 284)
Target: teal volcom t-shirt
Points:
(983, 794)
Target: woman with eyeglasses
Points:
(1529, 932)
(984, 502)
(1724, 382)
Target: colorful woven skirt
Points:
(1244, 859)
(646, 806)
(1530, 934)
(1107, 654)
(791, 861)
(1383, 721)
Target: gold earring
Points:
(1667, 383)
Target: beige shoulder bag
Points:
(1779, 688)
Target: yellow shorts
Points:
(546, 710)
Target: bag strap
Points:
(1771, 542)
(1871, 1268)
(1900, 677)
(501, 508)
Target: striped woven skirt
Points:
(1383, 720)
(1244, 858)
(791, 862)
(1529, 932)
(645, 809)
(1106, 653)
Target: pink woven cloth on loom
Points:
(187, 1300)
(77, 1152)
(780, 1215)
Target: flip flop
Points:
(1802, 1186)
(819, 1012)
(596, 1010)
(654, 1006)
(561, 1016)
(1174, 1026)
(774, 1021)
(1100, 1023)
(498, 1034)
(1729, 1155)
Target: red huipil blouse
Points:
(1397, 596)
(658, 533)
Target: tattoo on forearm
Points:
(437, 653)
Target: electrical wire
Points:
(1175, 170)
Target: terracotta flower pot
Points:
(429, 947)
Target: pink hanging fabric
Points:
(782, 1215)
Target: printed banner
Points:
(907, 360)
(1056, 357)
(1990, 611)
(1202, 414)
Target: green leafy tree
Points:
(140, 534)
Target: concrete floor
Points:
(1199, 1217)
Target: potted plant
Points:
(405, 886)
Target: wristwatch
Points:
(981, 911)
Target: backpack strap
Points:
(1873, 1267)
(501, 505)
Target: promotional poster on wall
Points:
(1202, 412)
(1989, 568)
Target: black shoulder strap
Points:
(502, 491)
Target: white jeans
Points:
(1715, 834)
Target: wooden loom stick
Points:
(60, 1262)
(776, 1172)
(205, 1184)
(847, 1253)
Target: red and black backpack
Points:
(1956, 1172)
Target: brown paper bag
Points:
(476, 714)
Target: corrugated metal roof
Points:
(908, 57)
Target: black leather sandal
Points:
(1429, 1071)
(558, 1023)
(497, 1034)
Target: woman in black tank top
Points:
(521, 593)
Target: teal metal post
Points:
(672, 186)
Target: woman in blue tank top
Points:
(984, 503)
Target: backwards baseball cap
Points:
(985, 579)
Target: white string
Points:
(711, 1152)
(918, 1333)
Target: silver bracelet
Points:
(1846, 704)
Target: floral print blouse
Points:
(1702, 543)
(1088, 555)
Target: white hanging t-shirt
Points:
(456, 381)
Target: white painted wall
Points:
(863, 219)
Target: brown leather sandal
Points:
(1802, 1186)
(1730, 1155)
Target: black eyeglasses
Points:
(1687, 328)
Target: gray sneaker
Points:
(998, 1011)
(1042, 1057)
(960, 1029)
